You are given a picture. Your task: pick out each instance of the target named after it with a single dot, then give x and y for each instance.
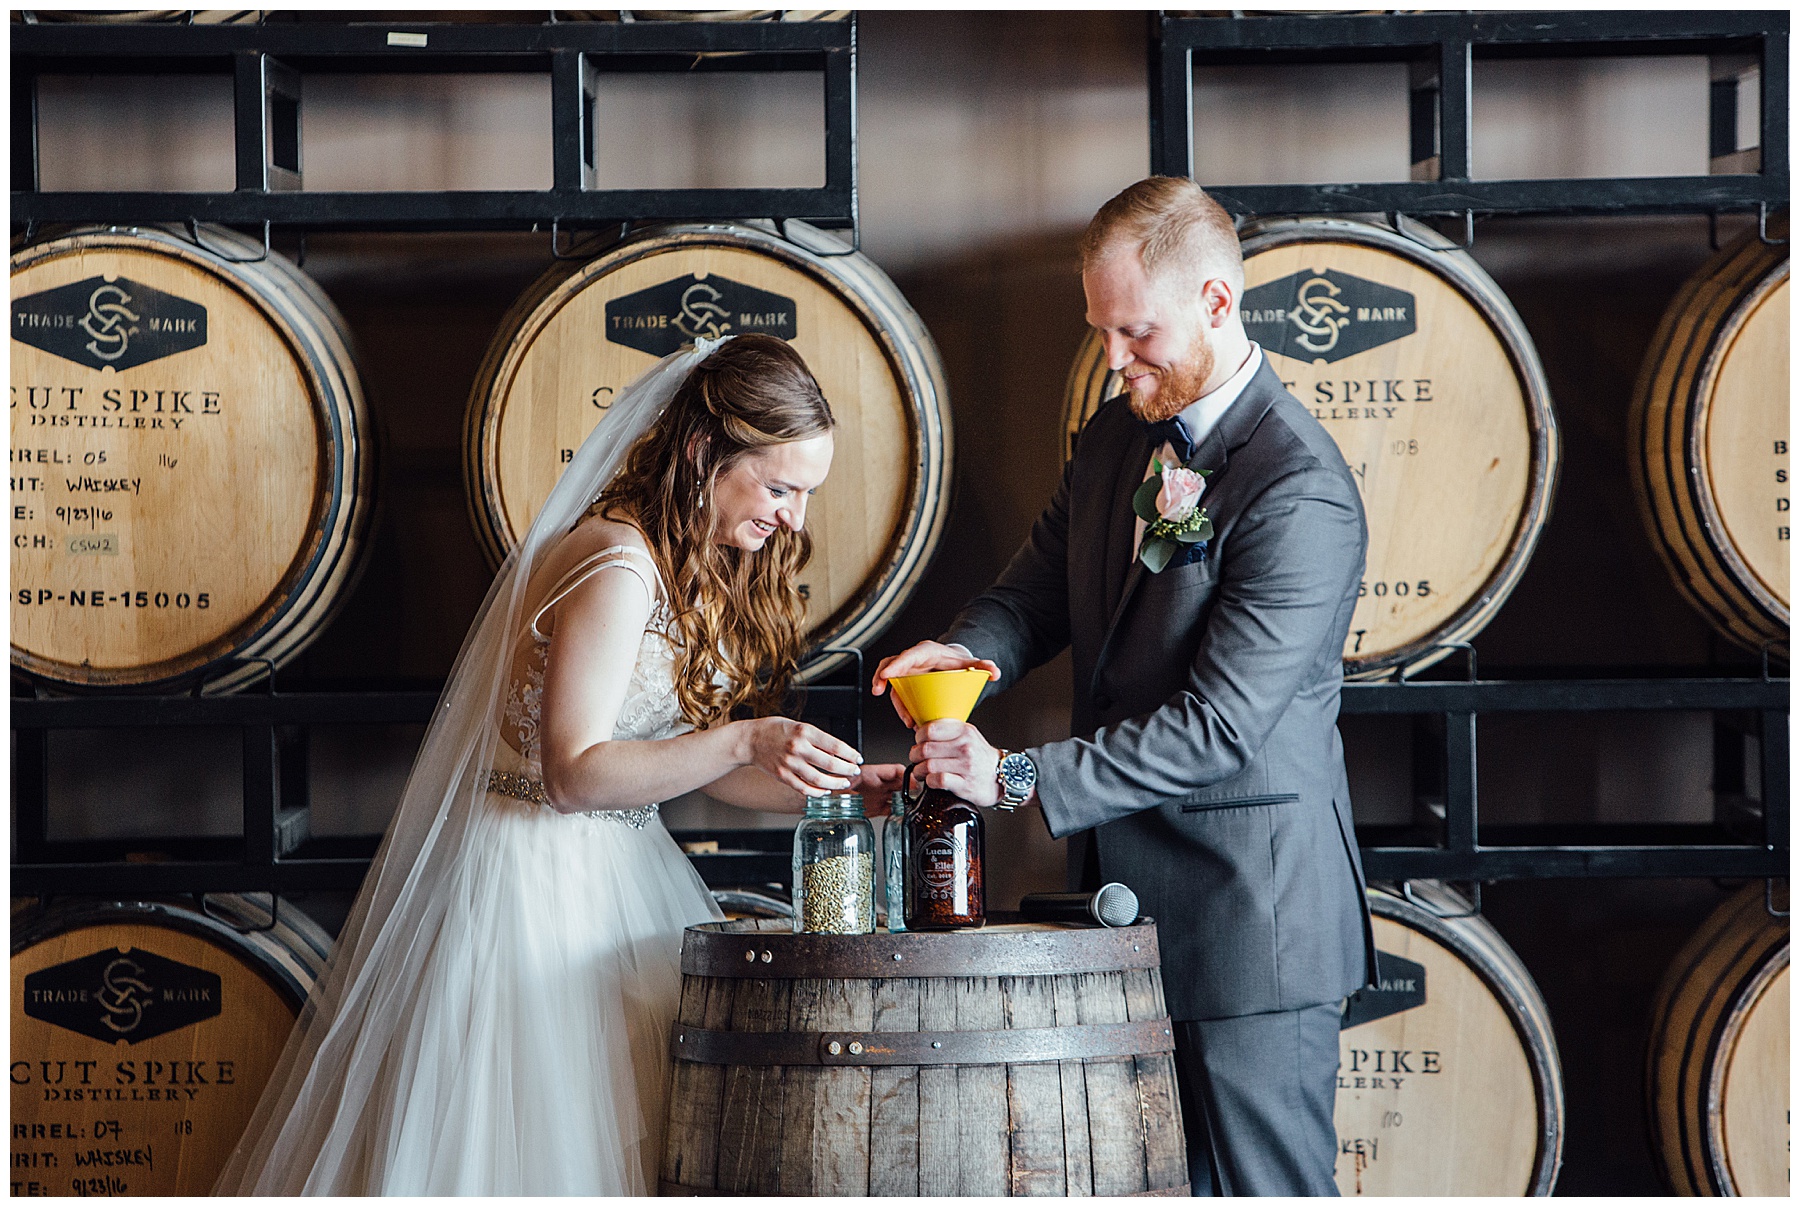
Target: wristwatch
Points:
(1017, 777)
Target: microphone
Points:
(1113, 905)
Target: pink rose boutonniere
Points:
(1169, 504)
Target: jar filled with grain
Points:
(834, 867)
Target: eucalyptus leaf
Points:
(1144, 501)
(1191, 538)
(1205, 530)
(1156, 553)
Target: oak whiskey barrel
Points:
(583, 332)
(1021, 1059)
(142, 1035)
(1709, 441)
(1418, 366)
(1716, 1076)
(1448, 1080)
(192, 459)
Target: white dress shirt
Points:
(1200, 417)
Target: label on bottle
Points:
(944, 866)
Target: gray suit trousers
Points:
(1257, 1093)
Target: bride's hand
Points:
(876, 783)
(802, 756)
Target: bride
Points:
(495, 1015)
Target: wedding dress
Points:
(495, 1017)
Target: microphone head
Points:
(1115, 905)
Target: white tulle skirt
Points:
(534, 1058)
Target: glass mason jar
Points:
(834, 867)
(893, 862)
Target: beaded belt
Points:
(521, 787)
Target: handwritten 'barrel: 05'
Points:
(1418, 366)
(1709, 441)
(585, 331)
(1449, 1081)
(1716, 1076)
(142, 1035)
(192, 459)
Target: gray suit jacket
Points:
(1206, 700)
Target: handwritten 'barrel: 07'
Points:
(1418, 366)
(143, 1033)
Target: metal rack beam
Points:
(1440, 50)
(270, 62)
(276, 851)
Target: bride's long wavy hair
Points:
(737, 614)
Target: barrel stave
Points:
(940, 1147)
(894, 1098)
(1165, 1147)
(752, 1096)
(691, 1146)
(1115, 1121)
(1033, 1097)
(1072, 1074)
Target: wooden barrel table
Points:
(143, 1034)
(1448, 1077)
(1716, 1078)
(1019, 1059)
(1418, 366)
(1709, 441)
(583, 332)
(192, 460)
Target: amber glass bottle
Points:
(946, 841)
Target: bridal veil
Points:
(309, 1129)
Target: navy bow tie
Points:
(1174, 433)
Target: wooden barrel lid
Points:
(1709, 438)
(1419, 368)
(142, 1036)
(190, 456)
(583, 333)
(1716, 1081)
(1458, 1091)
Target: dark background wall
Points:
(987, 139)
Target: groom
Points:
(1206, 758)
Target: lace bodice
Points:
(650, 710)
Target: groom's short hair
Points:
(1173, 226)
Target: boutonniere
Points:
(1169, 504)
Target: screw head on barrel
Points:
(834, 1047)
(855, 1048)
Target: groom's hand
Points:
(954, 756)
(925, 656)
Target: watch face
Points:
(1018, 773)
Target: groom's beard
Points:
(1177, 385)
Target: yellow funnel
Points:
(936, 695)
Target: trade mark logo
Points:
(122, 994)
(662, 318)
(1400, 986)
(1326, 316)
(102, 323)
